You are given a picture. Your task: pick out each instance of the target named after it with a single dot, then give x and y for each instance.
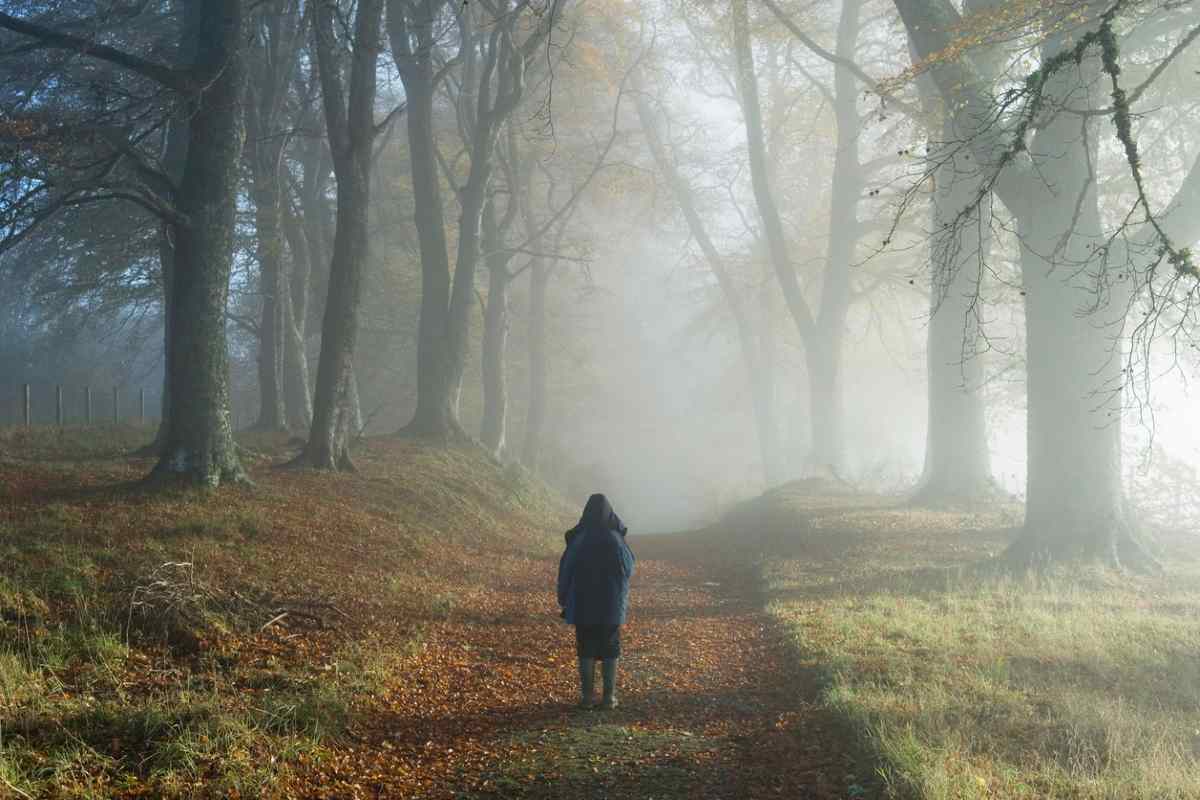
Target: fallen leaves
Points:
(436, 621)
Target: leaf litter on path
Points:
(712, 703)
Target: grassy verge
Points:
(1082, 684)
(72, 442)
(185, 644)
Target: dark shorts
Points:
(598, 641)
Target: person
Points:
(593, 591)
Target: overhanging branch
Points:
(167, 76)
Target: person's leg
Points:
(612, 651)
(609, 669)
(584, 647)
(587, 681)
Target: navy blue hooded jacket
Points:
(594, 571)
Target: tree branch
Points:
(833, 58)
(167, 76)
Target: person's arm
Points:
(566, 574)
(628, 560)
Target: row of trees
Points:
(259, 134)
(286, 92)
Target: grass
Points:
(185, 644)
(1076, 684)
(72, 443)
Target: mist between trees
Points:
(686, 250)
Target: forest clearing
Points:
(393, 634)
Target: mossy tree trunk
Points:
(198, 446)
(196, 440)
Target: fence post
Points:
(58, 405)
(116, 407)
(28, 409)
(142, 405)
(87, 404)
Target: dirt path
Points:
(711, 704)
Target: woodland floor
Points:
(712, 704)
(393, 634)
(387, 634)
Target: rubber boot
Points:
(609, 669)
(587, 681)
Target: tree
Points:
(494, 426)
(278, 33)
(493, 63)
(350, 121)
(957, 464)
(306, 217)
(956, 458)
(1075, 507)
(198, 445)
(823, 331)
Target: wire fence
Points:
(42, 404)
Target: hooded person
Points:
(593, 591)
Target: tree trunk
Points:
(435, 413)
(412, 44)
(535, 419)
(317, 218)
(357, 422)
(957, 463)
(199, 447)
(272, 415)
(822, 334)
(1074, 496)
(310, 274)
(462, 294)
(1074, 500)
(297, 396)
(822, 356)
(174, 161)
(768, 209)
(275, 48)
(351, 128)
(825, 347)
(495, 338)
